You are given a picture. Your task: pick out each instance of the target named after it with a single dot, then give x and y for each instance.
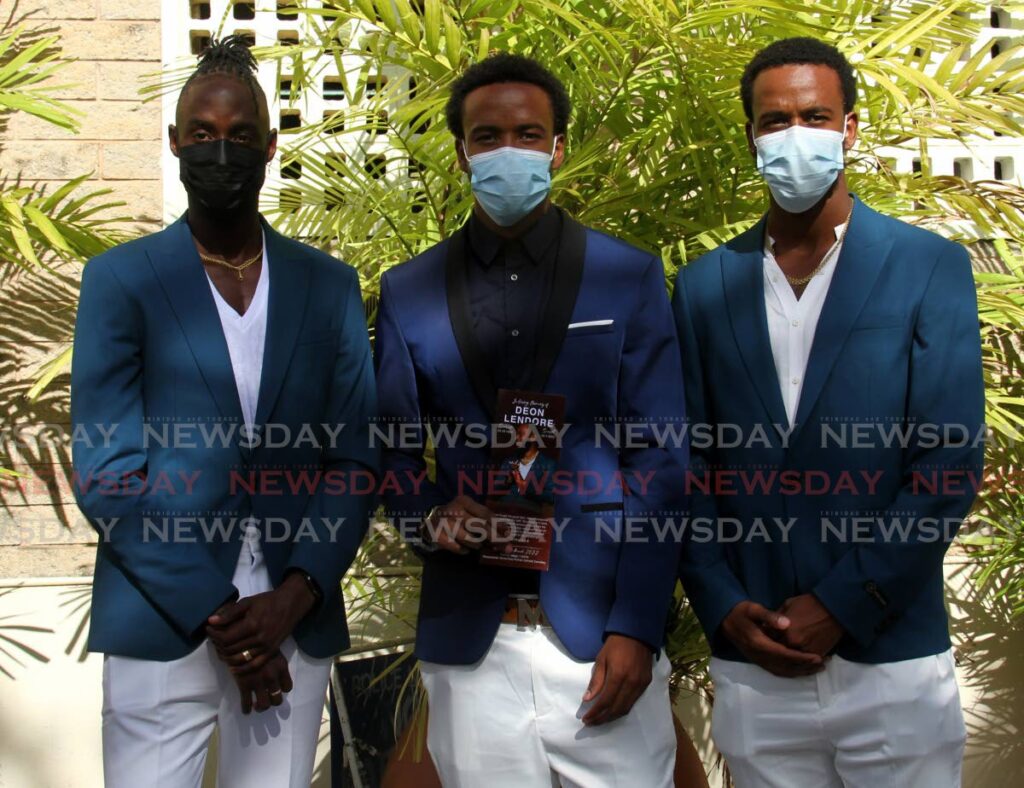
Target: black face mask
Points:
(222, 175)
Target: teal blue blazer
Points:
(897, 346)
(164, 472)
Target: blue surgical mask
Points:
(510, 182)
(800, 165)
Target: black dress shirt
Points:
(509, 284)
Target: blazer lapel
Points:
(743, 280)
(865, 250)
(565, 287)
(456, 289)
(289, 289)
(181, 275)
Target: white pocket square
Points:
(590, 324)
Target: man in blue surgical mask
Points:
(824, 328)
(551, 674)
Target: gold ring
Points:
(247, 655)
(275, 693)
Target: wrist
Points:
(428, 523)
(301, 598)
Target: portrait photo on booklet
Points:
(524, 459)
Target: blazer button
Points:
(876, 593)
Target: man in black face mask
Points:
(221, 374)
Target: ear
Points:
(172, 138)
(750, 139)
(559, 154)
(271, 145)
(850, 132)
(460, 153)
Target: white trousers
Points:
(893, 725)
(158, 716)
(512, 720)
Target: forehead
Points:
(795, 86)
(507, 105)
(218, 98)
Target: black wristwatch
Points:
(311, 584)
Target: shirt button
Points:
(796, 324)
(795, 381)
(515, 332)
(514, 277)
(775, 279)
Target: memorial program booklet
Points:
(524, 459)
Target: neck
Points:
(814, 225)
(516, 230)
(229, 234)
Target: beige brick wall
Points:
(114, 44)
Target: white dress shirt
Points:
(246, 336)
(792, 321)
(524, 467)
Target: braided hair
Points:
(231, 56)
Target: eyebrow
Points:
(201, 123)
(521, 127)
(780, 115)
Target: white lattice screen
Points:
(187, 26)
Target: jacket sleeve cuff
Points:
(860, 606)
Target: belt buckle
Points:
(527, 616)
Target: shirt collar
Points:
(537, 241)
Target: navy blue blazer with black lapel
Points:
(150, 358)
(623, 368)
(897, 344)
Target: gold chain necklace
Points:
(797, 281)
(238, 269)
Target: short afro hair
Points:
(504, 67)
(795, 51)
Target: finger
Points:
(235, 651)
(242, 668)
(789, 670)
(275, 693)
(262, 698)
(472, 532)
(768, 618)
(246, 692)
(446, 542)
(596, 680)
(475, 509)
(600, 712)
(284, 677)
(773, 650)
(233, 640)
(228, 614)
(216, 636)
